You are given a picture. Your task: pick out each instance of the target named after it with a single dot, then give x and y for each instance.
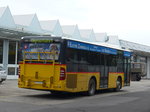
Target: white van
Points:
(3, 74)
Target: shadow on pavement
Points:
(65, 96)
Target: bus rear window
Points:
(40, 51)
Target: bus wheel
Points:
(118, 85)
(91, 87)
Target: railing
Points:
(40, 56)
(38, 59)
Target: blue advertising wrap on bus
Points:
(127, 54)
(90, 47)
(41, 49)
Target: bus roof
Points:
(100, 44)
(66, 38)
(40, 37)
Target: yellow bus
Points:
(59, 64)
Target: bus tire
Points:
(91, 87)
(118, 84)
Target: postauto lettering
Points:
(84, 46)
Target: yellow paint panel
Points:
(113, 78)
(47, 77)
(82, 81)
(41, 76)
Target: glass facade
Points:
(12, 58)
(11, 70)
(12, 52)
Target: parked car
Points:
(3, 74)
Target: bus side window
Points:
(112, 63)
(69, 60)
(82, 61)
(120, 61)
(72, 60)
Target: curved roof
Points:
(88, 35)
(134, 46)
(71, 31)
(68, 29)
(52, 26)
(28, 22)
(2, 10)
(101, 37)
(48, 24)
(24, 20)
(22, 25)
(6, 19)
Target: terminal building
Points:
(13, 27)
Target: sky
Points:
(129, 19)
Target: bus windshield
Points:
(40, 51)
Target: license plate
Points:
(38, 82)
